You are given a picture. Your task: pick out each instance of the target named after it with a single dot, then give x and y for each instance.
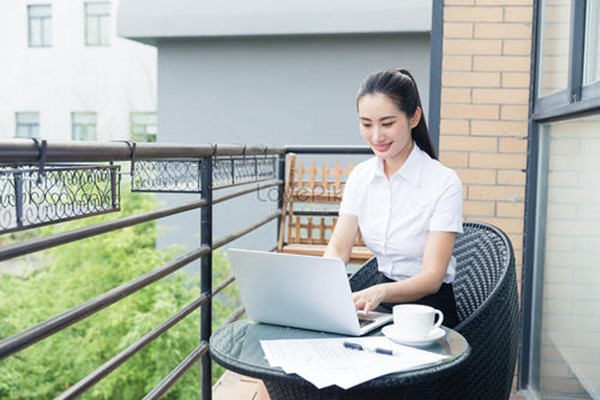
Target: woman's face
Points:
(385, 128)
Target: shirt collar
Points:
(410, 170)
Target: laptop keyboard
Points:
(363, 321)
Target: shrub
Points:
(82, 270)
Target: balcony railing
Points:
(47, 182)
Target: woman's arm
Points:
(436, 257)
(343, 237)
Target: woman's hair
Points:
(400, 87)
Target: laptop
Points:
(300, 291)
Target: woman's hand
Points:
(369, 299)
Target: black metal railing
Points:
(154, 167)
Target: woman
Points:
(407, 205)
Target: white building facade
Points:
(66, 75)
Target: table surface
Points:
(236, 346)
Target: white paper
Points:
(326, 362)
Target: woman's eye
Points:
(366, 125)
(387, 124)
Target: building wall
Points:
(149, 20)
(276, 90)
(70, 76)
(484, 108)
(271, 90)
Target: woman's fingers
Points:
(367, 300)
(359, 301)
(369, 306)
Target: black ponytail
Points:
(400, 86)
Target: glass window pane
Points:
(40, 25)
(554, 47)
(143, 126)
(84, 125)
(567, 254)
(91, 31)
(104, 30)
(27, 124)
(97, 8)
(84, 117)
(35, 33)
(39, 10)
(46, 32)
(592, 43)
(97, 20)
(28, 118)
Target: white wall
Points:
(68, 76)
(150, 19)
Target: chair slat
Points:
(314, 188)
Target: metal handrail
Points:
(29, 336)
(162, 388)
(109, 366)
(38, 244)
(23, 152)
(132, 349)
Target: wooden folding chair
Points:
(311, 200)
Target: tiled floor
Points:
(233, 386)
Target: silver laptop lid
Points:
(294, 290)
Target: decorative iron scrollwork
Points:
(30, 197)
(184, 175)
(166, 175)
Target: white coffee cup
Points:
(416, 321)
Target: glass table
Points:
(236, 346)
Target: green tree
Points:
(82, 270)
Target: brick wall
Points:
(484, 106)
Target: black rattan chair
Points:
(486, 295)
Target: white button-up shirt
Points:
(395, 215)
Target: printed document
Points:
(326, 362)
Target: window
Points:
(27, 124)
(84, 125)
(143, 126)
(97, 24)
(40, 25)
(568, 242)
(592, 50)
(554, 47)
(561, 317)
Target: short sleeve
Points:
(447, 214)
(350, 197)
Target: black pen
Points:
(378, 350)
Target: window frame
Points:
(100, 18)
(29, 126)
(577, 101)
(45, 37)
(85, 125)
(145, 134)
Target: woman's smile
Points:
(381, 147)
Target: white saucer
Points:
(393, 333)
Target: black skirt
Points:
(443, 300)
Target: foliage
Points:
(83, 270)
